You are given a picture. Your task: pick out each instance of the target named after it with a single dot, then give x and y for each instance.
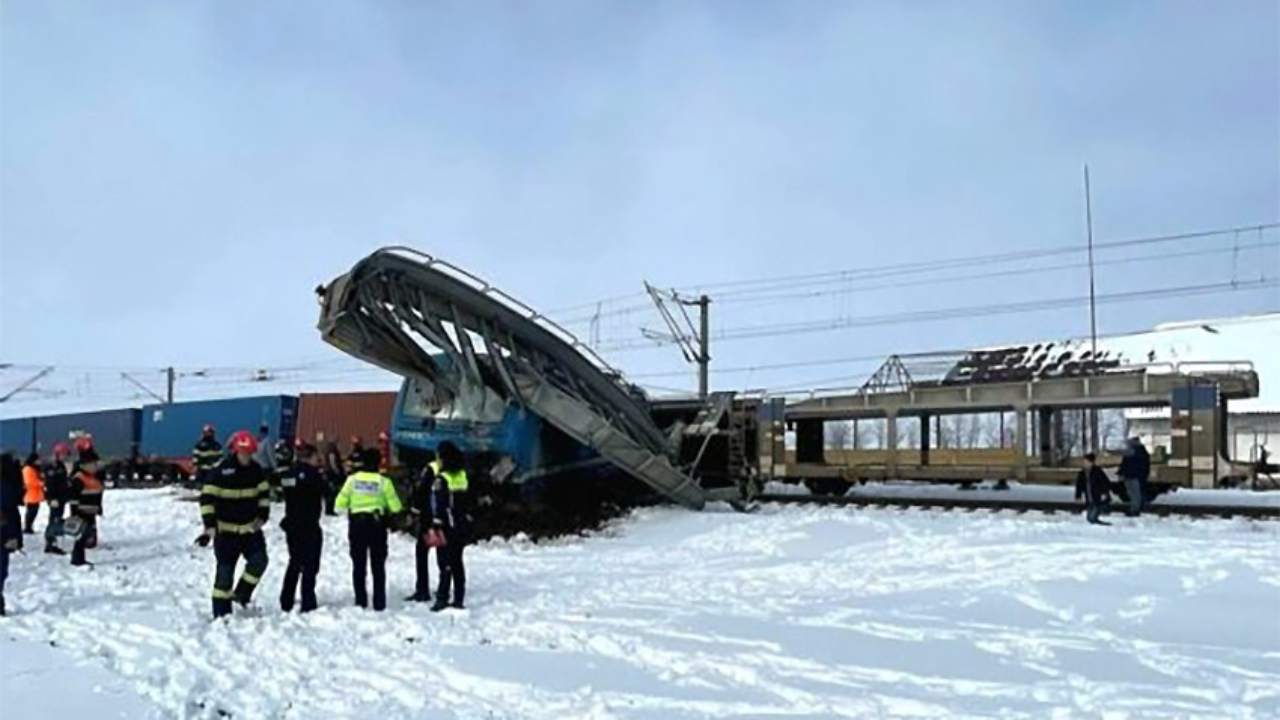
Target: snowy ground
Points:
(795, 612)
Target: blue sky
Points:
(177, 177)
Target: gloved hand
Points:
(206, 537)
(257, 524)
(55, 504)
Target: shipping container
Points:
(17, 436)
(171, 430)
(115, 432)
(336, 417)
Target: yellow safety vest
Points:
(456, 480)
(368, 492)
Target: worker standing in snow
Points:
(206, 455)
(282, 454)
(369, 498)
(57, 492)
(235, 503)
(33, 495)
(451, 514)
(1134, 470)
(420, 509)
(1092, 485)
(10, 521)
(304, 489)
(85, 504)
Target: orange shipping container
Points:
(334, 417)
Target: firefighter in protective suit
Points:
(369, 498)
(235, 503)
(206, 454)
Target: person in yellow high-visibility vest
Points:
(369, 498)
(451, 513)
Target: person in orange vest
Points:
(86, 504)
(33, 495)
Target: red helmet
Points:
(382, 437)
(243, 441)
(84, 442)
(61, 450)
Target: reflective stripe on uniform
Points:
(207, 510)
(220, 594)
(249, 578)
(230, 494)
(241, 528)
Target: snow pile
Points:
(802, 612)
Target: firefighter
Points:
(369, 499)
(235, 503)
(282, 454)
(304, 489)
(206, 455)
(354, 461)
(33, 492)
(451, 513)
(420, 509)
(85, 504)
(57, 491)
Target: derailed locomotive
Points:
(531, 403)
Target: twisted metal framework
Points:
(397, 305)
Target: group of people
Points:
(236, 493)
(72, 491)
(1095, 488)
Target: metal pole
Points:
(170, 375)
(1093, 307)
(704, 343)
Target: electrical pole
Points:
(704, 344)
(1093, 307)
(27, 383)
(169, 375)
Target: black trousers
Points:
(368, 537)
(452, 571)
(29, 527)
(228, 548)
(422, 566)
(305, 544)
(88, 537)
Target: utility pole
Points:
(704, 347)
(169, 375)
(1093, 307)
(27, 383)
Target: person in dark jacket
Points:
(235, 504)
(1093, 486)
(11, 491)
(206, 455)
(1135, 468)
(451, 513)
(57, 493)
(420, 510)
(304, 489)
(334, 476)
(85, 504)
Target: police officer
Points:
(235, 503)
(369, 498)
(451, 512)
(57, 492)
(206, 455)
(303, 486)
(420, 508)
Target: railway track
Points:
(1050, 507)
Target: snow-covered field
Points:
(787, 612)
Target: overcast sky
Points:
(177, 177)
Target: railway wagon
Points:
(337, 417)
(170, 430)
